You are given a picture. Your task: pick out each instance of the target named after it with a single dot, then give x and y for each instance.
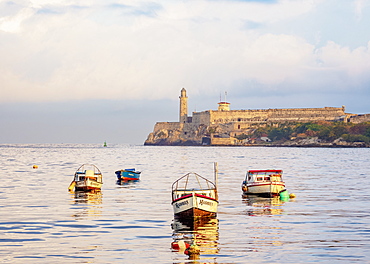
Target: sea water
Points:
(42, 222)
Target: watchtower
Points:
(223, 106)
(183, 106)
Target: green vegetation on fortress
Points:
(337, 133)
(317, 127)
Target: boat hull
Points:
(264, 189)
(195, 206)
(88, 185)
(125, 175)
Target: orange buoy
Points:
(180, 245)
(35, 167)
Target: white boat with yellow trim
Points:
(194, 196)
(267, 183)
(87, 178)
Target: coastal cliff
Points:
(165, 134)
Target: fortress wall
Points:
(277, 115)
(360, 118)
(327, 112)
(190, 127)
(221, 141)
(167, 125)
(189, 132)
(244, 125)
(305, 114)
(201, 118)
(238, 116)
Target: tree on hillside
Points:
(279, 133)
(241, 136)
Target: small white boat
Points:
(267, 183)
(87, 178)
(194, 196)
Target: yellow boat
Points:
(87, 178)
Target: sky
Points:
(107, 70)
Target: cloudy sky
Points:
(94, 70)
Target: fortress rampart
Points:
(202, 118)
(359, 118)
(270, 115)
(167, 125)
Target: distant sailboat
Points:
(105, 143)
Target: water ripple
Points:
(41, 222)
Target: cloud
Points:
(11, 22)
(116, 62)
(360, 6)
(62, 50)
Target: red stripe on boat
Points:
(190, 195)
(262, 184)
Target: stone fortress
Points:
(219, 127)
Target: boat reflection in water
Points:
(258, 205)
(127, 183)
(197, 239)
(88, 204)
(264, 232)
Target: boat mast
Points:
(216, 174)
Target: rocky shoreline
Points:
(288, 143)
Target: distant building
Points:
(221, 126)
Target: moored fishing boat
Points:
(128, 175)
(194, 196)
(87, 178)
(267, 183)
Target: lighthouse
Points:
(183, 106)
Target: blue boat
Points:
(128, 175)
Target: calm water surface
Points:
(41, 222)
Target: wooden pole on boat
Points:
(216, 174)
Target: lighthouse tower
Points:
(183, 106)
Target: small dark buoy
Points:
(193, 251)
